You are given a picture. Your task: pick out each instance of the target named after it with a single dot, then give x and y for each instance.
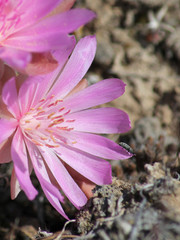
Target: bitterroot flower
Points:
(48, 125)
(37, 26)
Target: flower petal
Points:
(54, 202)
(31, 11)
(85, 184)
(101, 120)
(35, 88)
(97, 145)
(96, 94)
(41, 42)
(93, 168)
(14, 57)
(21, 165)
(9, 96)
(66, 182)
(51, 192)
(65, 22)
(7, 127)
(76, 67)
(28, 92)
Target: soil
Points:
(138, 42)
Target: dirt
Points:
(138, 42)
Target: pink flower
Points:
(49, 128)
(28, 28)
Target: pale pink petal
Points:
(54, 202)
(96, 145)
(7, 127)
(101, 120)
(76, 67)
(41, 171)
(21, 165)
(51, 192)
(15, 186)
(65, 181)
(28, 93)
(99, 93)
(41, 42)
(9, 96)
(14, 57)
(31, 11)
(35, 88)
(93, 168)
(65, 22)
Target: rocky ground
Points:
(138, 42)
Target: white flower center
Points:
(44, 124)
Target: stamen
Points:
(57, 101)
(58, 121)
(67, 112)
(50, 105)
(51, 136)
(28, 129)
(43, 138)
(60, 116)
(42, 100)
(48, 130)
(39, 113)
(50, 115)
(51, 146)
(70, 120)
(65, 128)
(61, 109)
(38, 126)
(52, 96)
(37, 143)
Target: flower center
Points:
(44, 125)
(9, 17)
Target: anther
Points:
(67, 112)
(37, 143)
(70, 120)
(61, 109)
(50, 115)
